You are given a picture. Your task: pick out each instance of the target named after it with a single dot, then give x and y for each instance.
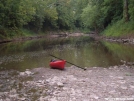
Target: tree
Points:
(92, 16)
(79, 5)
(45, 15)
(16, 13)
(131, 10)
(113, 11)
(9, 13)
(51, 15)
(26, 12)
(40, 7)
(65, 14)
(126, 14)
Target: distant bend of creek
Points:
(83, 51)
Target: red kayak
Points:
(57, 64)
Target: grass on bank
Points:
(120, 29)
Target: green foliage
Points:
(119, 29)
(26, 11)
(38, 15)
(100, 13)
(65, 14)
(113, 10)
(26, 32)
(122, 28)
(40, 7)
(51, 15)
(131, 9)
(79, 5)
(90, 18)
(8, 16)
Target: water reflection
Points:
(82, 51)
(121, 51)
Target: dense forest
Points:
(19, 17)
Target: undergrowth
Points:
(16, 33)
(120, 29)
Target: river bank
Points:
(72, 84)
(120, 40)
(126, 40)
(48, 35)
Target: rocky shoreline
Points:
(124, 40)
(71, 84)
(121, 40)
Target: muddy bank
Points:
(48, 35)
(72, 84)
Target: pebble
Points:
(132, 86)
(123, 87)
(28, 72)
(112, 92)
(22, 99)
(22, 73)
(94, 96)
(13, 91)
(41, 81)
(41, 99)
(60, 84)
(69, 86)
(13, 96)
(53, 99)
(65, 88)
(103, 84)
(72, 91)
(121, 81)
(121, 78)
(115, 67)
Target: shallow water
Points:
(82, 51)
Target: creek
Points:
(83, 51)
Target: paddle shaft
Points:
(68, 62)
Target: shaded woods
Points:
(24, 17)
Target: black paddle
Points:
(68, 62)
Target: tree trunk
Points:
(126, 15)
(96, 30)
